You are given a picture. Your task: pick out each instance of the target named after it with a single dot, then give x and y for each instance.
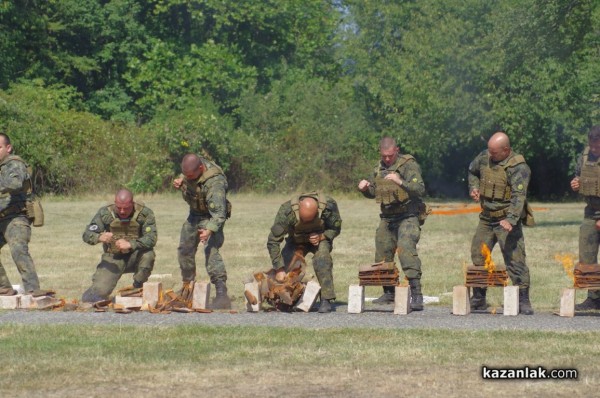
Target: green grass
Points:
(74, 360)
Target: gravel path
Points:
(434, 317)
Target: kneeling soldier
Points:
(127, 231)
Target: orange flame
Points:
(568, 262)
(487, 255)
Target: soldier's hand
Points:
(363, 185)
(204, 235)
(393, 177)
(575, 184)
(105, 237)
(177, 183)
(280, 275)
(475, 194)
(314, 239)
(123, 245)
(598, 225)
(506, 225)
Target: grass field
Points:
(75, 360)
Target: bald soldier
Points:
(311, 221)
(498, 180)
(204, 188)
(127, 231)
(396, 184)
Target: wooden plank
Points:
(511, 300)
(356, 299)
(402, 300)
(460, 300)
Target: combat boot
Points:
(221, 300)
(478, 301)
(388, 296)
(588, 305)
(325, 306)
(416, 297)
(7, 291)
(524, 304)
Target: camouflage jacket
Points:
(104, 217)
(214, 192)
(517, 179)
(592, 209)
(409, 172)
(286, 219)
(13, 179)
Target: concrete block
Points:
(129, 302)
(252, 295)
(511, 300)
(460, 300)
(402, 300)
(567, 302)
(44, 302)
(26, 302)
(356, 299)
(201, 295)
(10, 302)
(151, 294)
(309, 296)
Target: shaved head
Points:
(192, 166)
(499, 146)
(308, 209)
(388, 151)
(124, 203)
(387, 143)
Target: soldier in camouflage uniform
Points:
(311, 221)
(587, 183)
(204, 188)
(15, 225)
(397, 185)
(498, 180)
(127, 231)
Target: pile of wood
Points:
(378, 274)
(478, 276)
(587, 276)
(281, 293)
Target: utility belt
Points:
(13, 210)
(394, 209)
(494, 214)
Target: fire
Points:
(487, 255)
(568, 262)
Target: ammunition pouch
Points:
(12, 210)
(495, 214)
(527, 216)
(35, 212)
(394, 209)
(424, 211)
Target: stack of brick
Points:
(379, 274)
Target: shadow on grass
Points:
(557, 223)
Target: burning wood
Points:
(487, 274)
(379, 274)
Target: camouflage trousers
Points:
(321, 261)
(399, 235)
(188, 246)
(589, 242)
(16, 232)
(113, 266)
(512, 246)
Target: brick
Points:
(309, 296)
(10, 302)
(201, 295)
(251, 289)
(151, 294)
(511, 300)
(567, 302)
(129, 302)
(402, 300)
(356, 299)
(460, 300)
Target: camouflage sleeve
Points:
(216, 200)
(149, 233)
(518, 178)
(369, 193)
(474, 171)
(412, 180)
(98, 225)
(332, 219)
(12, 176)
(279, 230)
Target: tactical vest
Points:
(589, 179)
(128, 229)
(26, 191)
(192, 190)
(388, 192)
(493, 184)
(301, 231)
